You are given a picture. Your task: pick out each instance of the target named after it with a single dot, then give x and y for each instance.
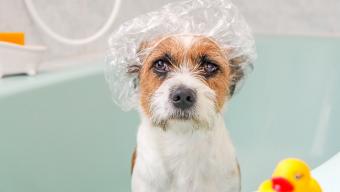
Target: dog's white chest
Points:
(200, 161)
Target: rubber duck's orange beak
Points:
(281, 184)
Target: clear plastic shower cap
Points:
(219, 20)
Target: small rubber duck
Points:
(291, 175)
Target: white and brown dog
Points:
(182, 143)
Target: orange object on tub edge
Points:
(13, 37)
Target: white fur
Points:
(198, 161)
(187, 155)
(186, 40)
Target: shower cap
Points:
(219, 20)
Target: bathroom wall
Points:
(305, 17)
(81, 18)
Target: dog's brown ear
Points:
(237, 72)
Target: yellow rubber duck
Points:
(291, 175)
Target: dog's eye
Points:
(161, 66)
(210, 68)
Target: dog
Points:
(185, 81)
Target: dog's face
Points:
(184, 78)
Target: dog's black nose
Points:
(183, 97)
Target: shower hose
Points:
(37, 19)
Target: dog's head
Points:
(185, 78)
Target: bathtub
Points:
(60, 131)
